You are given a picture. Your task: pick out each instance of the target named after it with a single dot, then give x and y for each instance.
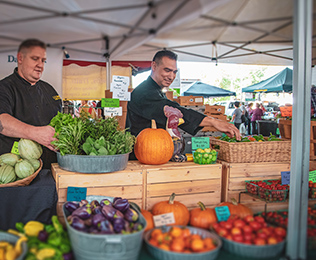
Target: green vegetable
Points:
(49, 228)
(19, 226)
(57, 225)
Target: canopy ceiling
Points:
(202, 89)
(234, 31)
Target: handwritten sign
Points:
(122, 95)
(286, 111)
(285, 177)
(312, 176)
(200, 142)
(222, 213)
(164, 219)
(113, 111)
(76, 193)
(15, 148)
(110, 102)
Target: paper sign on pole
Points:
(119, 88)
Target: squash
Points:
(29, 149)
(149, 219)
(153, 146)
(35, 163)
(202, 217)
(23, 168)
(9, 158)
(7, 174)
(180, 211)
(237, 209)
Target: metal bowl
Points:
(93, 164)
(4, 236)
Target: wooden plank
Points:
(213, 171)
(239, 183)
(188, 200)
(101, 179)
(225, 178)
(166, 189)
(134, 191)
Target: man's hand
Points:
(222, 126)
(44, 135)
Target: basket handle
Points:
(111, 241)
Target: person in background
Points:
(256, 114)
(148, 102)
(249, 109)
(86, 107)
(263, 108)
(100, 110)
(27, 104)
(237, 115)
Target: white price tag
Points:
(113, 111)
(164, 219)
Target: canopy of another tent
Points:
(280, 82)
(201, 89)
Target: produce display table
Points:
(37, 201)
(147, 184)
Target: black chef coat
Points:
(32, 104)
(147, 103)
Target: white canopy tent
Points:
(234, 31)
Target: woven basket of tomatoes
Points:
(182, 243)
(251, 237)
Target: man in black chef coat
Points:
(27, 104)
(148, 100)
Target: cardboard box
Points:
(191, 100)
(215, 110)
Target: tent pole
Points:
(298, 203)
(108, 73)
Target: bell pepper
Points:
(32, 228)
(58, 227)
(54, 239)
(19, 226)
(45, 253)
(49, 228)
(121, 204)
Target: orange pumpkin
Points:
(237, 209)
(202, 217)
(153, 146)
(179, 210)
(149, 219)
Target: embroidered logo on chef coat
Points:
(56, 97)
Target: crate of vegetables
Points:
(103, 227)
(268, 190)
(252, 149)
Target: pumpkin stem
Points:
(234, 201)
(153, 124)
(202, 206)
(171, 199)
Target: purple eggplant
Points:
(118, 214)
(108, 211)
(83, 202)
(97, 210)
(137, 226)
(77, 223)
(94, 204)
(131, 215)
(118, 225)
(105, 227)
(121, 204)
(71, 206)
(88, 221)
(83, 212)
(96, 219)
(68, 256)
(42, 236)
(105, 202)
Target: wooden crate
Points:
(189, 181)
(126, 184)
(190, 100)
(235, 175)
(215, 109)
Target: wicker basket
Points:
(253, 152)
(24, 182)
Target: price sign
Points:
(285, 177)
(164, 219)
(110, 102)
(15, 148)
(222, 213)
(312, 176)
(200, 142)
(76, 193)
(286, 111)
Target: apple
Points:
(280, 231)
(259, 241)
(266, 230)
(238, 238)
(255, 225)
(222, 232)
(239, 223)
(236, 231)
(215, 226)
(229, 237)
(247, 229)
(249, 237)
(272, 241)
(248, 218)
(259, 219)
(227, 225)
(261, 234)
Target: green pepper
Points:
(19, 227)
(54, 239)
(65, 248)
(49, 228)
(57, 225)
(30, 256)
(33, 242)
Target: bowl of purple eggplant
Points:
(104, 227)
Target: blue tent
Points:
(278, 83)
(201, 89)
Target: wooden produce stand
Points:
(147, 184)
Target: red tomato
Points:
(247, 229)
(255, 225)
(259, 219)
(280, 231)
(249, 218)
(236, 231)
(259, 241)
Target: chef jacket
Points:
(32, 104)
(147, 103)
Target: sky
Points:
(211, 74)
